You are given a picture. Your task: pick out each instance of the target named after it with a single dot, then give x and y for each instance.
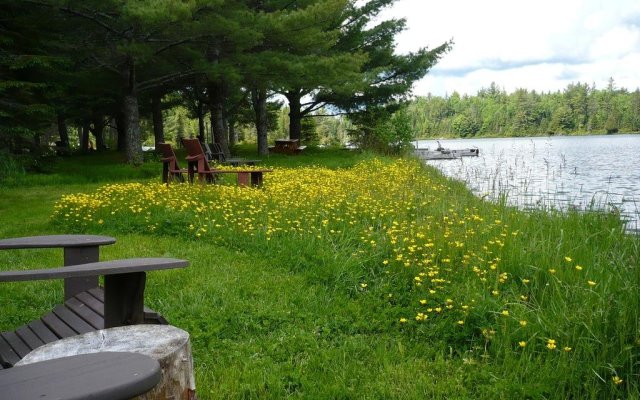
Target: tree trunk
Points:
(158, 122)
(233, 135)
(84, 138)
(133, 146)
(62, 131)
(122, 130)
(259, 100)
(216, 109)
(295, 116)
(98, 132)
(202, 129)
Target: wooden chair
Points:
(197, 162)
(170, 167)
(214, 153)
(87, 307)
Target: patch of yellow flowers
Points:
(390, 210)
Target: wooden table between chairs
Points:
(287, 146)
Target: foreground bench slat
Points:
(74, 321)
(30, 338)
(85, 312)
(7, 354)
(98, 376)
(40, 330)
(16, 344)
(114, 267)
(90, 300)
(57, 326)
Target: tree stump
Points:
(167, 344)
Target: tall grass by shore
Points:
(363, 277)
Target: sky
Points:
(540, 45)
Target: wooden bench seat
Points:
(97, 376)
(253, 177)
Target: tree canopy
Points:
(91, 64)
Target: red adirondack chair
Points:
(197, 161)
(170, 167)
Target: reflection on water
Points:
(552, 172)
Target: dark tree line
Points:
(579, 108)
(91, 63)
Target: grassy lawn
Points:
(352, 276)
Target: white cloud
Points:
(539, 45)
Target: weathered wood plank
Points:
(16, 343)
(98, 293)
(42, 331)
(90, 299)
(131, 265)
(7, 354)
(55, 241)
(57, 326)
(85, 312)
(72, 320)
(30, 338)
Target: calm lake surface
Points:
(552, 172)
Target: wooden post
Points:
(75, 256)
(124, 299)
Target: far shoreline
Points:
(490, 136)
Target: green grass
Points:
(287, 317)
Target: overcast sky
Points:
(540, 45)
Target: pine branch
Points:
(151, 83)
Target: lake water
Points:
(559, 172)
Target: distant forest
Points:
(578, 109)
